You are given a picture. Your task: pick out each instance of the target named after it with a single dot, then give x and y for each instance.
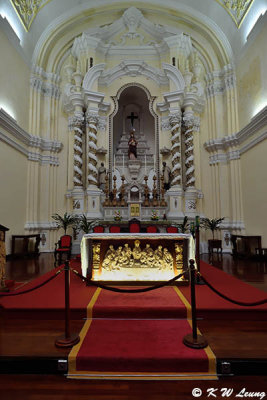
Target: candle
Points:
(123, 163)
(145, 165)
(114, 164)
(154, 163)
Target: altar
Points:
(140, 257)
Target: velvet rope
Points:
(239, 303)
(34, 288)
(118, 290)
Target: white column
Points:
(175, 122)
(92, 122)
(190, 191)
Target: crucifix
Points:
(132, 117)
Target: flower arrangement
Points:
(117, 216)
(154, 215)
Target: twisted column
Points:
(92, 122)
(175, 122)
(77, 121)
(189, 151)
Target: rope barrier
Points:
(239, 303)
(34, 288)
(118, 290)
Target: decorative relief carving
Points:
(27, 10)
(175, 122)
(237, 9)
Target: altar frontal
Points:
(135, 257)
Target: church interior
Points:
(126, 130)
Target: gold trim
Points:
(74, 374)
(211, 356)
(186, 303)
(23, 22)
(141, 376)
(74, 351)
(238, 22)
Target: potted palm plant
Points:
(66, 221)
(212, 224)
(85, 225)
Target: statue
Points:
(158, 254)
(102, 176)
(132, 146)
(148, 256)
(167, 259)
(137, 252)
(166, 172)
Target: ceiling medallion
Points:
(27, 10)
(237, 9)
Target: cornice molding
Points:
(229, 147)
(26, 142)
(40, 225)
(45, 82)
(217, 82)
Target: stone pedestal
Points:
(77, 195)
(191, 202)
(175, 194)
(94, 202)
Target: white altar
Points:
(135, 256)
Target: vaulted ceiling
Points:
(230, 20)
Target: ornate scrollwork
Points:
(27, 10)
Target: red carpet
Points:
(139, 346)
(48, 301)
(210, 305)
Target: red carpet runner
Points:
(138, 336)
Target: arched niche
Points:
(133, 100)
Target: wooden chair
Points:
(172, 229)
(151, 229)
(63, 246)
(98, 229)
(114, 229)
(134, 226)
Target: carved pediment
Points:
(130, 31)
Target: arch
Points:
(71, 24)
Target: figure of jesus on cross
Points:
(132, 117)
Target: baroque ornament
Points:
(237, 9)
(175, 122)
(27, 10)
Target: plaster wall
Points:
(251, 77)
(14, 81)
(254, 188)
(13, 178)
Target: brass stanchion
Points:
(68, 339)
(199, 281)
(194, 340)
